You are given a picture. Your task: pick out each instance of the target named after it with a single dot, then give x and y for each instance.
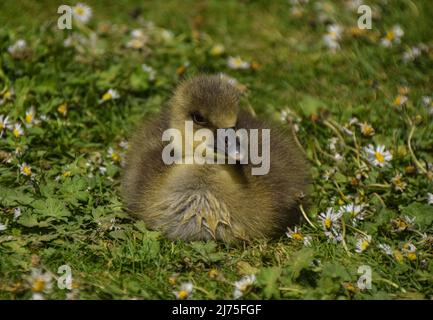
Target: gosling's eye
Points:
(198, 118)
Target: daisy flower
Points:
(400, 100)
(363, 243)
(63, 109)
(402, 223)
(167, 35)
(332, 36)
(399, 185)
(355, 212)
(25, 169)
(111, 94)
(392, 36)
(385, 248)
(243, 285)
(17, 130)
(237, 63)
(149, 70)
(4, 124)
(7, 95)
(82, 12)
(330, 219)
(217, 50)
(378, 156)
(29, 120)
(40, 282)
(410, 251)
(124, 144)
(17, 213)
(138, 33)
(366, 129)
(2, 227)
(184, 291)
(114, 155)
(430, 198)
(411, 54)
(18, 49)
(298, 236)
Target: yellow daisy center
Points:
(328, 223)
(390, 35)
(79, 11)
(297, 236)
(38, 285)
(67, 174)
(2, 126)
(27, 170)
(411, 256)
(364, 245)
(115, 156)
(379, 157)
(107, 96)
(16, 132)
(62, 109)
(29, 117)
(183, 294)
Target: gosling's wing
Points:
(288, 175)
(143, 161)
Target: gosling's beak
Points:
(231, 147)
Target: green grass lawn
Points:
(73, 98)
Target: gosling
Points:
(212, 201)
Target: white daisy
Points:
(149, 70)
(363, 243)
(30, 119)
(356, 212)
(18, 47)
(378, 156)
(40, 282)
(111, 94)
(17, 130)
(366, 129)
(4, 124)
(392, 36)
(430, 198)
(332, 36)
(296, 234)
(3, 227)
(243, 285)
(386, 249)
(330, 220)
(411, 54)
(185, 291)
(237, 63)
(82, 12)
(114, 155)
(25, 169)
(400, 100)
(17, 213)
(399, 185)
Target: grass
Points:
(71, 212)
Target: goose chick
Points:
(212, 201)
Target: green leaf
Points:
(268, 279)
(301, 260)
(423, 213)
(51, 208)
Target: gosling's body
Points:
(213, 201)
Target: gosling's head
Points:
(208, 102)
